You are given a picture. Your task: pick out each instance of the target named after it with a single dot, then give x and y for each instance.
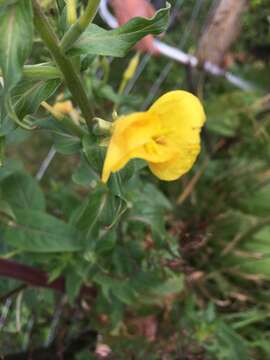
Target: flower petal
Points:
(181, 115)
(130, 135)
(176, 166)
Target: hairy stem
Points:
(78, 28)
(71, 77)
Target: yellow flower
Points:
(167, 136)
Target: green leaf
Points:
(84, 175)
(16, 29)
(98, 214)
(26, 98)
(73, 282)
(224, 112)
(94, 153)
(6, 209)
(172, 285)
(96, 40)
(28, 95)
(148, 206)
(153, 287)
(121, 289)
(5, 3)
(22, 191)
(107, 242)
(233, 346)
(66, 144)
(257, 203)
(257, 260)
(88, 216)
(36, 231)
(63, 198)
(10, 167)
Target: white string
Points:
(106, 15)
(192, 61)
(45, 163)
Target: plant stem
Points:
(29, 275)
(72, 79)
(74, 129)
(35, 277)
(41, 72)
(78, 28)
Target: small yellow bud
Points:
(132, 66)
(129, 72)
(59, 109)
(64, 107)
(71, 11)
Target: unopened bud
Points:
(132, 66)
(71, 11)
(102, 127)
(59, 109)
(64, 107)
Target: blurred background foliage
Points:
(185, 274)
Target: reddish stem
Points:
(29, 275)
(34, 277)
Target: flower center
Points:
(160, 140)
(161, 137)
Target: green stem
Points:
(72, 79)
(72, 127)
(78, 28)
(41, 72)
